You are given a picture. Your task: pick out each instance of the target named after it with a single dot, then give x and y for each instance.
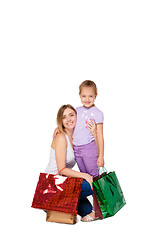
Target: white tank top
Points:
(70, 159)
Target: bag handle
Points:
(109, 177)
(104, 170)
(60, 171)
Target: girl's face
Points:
(88, 96)
(69, 119)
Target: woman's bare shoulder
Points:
(60, 139)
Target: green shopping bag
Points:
(108, 193)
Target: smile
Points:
(70, 123)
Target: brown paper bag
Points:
(60, 217)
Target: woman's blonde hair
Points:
(88, 83)
(60, 116)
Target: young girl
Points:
(89, 153)
(88, 146)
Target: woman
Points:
(62, 159)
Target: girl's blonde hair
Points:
(88, 83)
(60, 116)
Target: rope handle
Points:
(104, 170)
(60, 171)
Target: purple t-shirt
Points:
(82, 135)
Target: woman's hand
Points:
(92, 127)
(88, 178)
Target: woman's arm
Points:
(60, 150)
(60, 153)
(100, 141)
(72, 173)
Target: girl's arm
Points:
(56, 131)
(100, 141)
(60, 153)
(97, 132)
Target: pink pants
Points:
(86, 157)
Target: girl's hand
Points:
(100, 162)
(92, 127)
(56, 132)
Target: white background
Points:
(47, 48)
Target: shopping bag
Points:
(108, 193)
(57, 193)
(98, 213)
(60, 217)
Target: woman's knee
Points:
(86, 189)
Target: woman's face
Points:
(69, 119)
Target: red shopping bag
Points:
(97, 209)
(57, 193)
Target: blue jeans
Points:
(85, 207)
